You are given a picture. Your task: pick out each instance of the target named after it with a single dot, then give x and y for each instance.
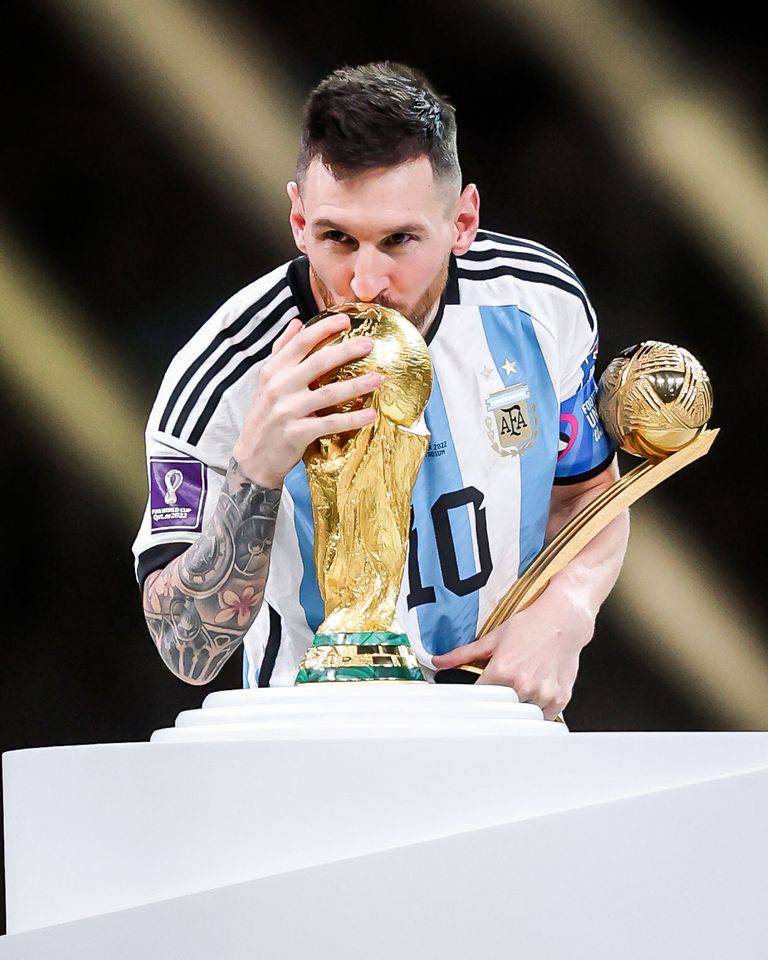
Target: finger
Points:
(313, 335)
(332, 394)
(496, 676)
(339, 423)
(556, 706)
(551, 710)
(298, 377)
(477, 650)
(289, 333)
(330, 358)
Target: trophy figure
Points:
(654, 401)
(361, 484)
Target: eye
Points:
(400, 239)
(336, 236)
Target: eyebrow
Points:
(323, 222)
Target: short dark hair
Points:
(377, 115)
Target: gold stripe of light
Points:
(694, 620)
(671, 119)
(213, 90)
(73, 393)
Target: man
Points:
(225, 551)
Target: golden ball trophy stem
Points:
(653, 399)
(361, 485)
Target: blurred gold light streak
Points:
(70, 387)
(216, 94)
(694, 620)
(670, 118)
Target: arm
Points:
(537, 650)
(200, 606)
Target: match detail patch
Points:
(177, 493)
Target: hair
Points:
(377, 115)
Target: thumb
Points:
(477, 650)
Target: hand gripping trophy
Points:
(361, 485)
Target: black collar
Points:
(298, 281)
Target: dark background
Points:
(97, 195)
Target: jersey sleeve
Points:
(183, 492)
(585, 449)
(198, 413)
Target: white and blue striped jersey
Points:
(512, 412)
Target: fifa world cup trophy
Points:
(361, 485)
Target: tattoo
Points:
(199, 608)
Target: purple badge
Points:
(177, 493)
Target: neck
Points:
(427, 322)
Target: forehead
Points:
(387, 195)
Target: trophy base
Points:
(344, 657)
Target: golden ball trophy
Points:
(654, 401)
(361, 485)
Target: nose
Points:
(370, 274)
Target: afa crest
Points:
(512, 426)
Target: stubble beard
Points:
(421, 314)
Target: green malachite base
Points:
(375, 639)
(368, 656)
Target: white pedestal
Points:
(418, 845)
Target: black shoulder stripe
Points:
(213, 401)
(230, 331)
(232, 350)
(478, 256)
(532, 277)
(272, 648)
(504, 239)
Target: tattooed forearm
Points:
(201, 605)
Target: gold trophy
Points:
(654, 401)
(361, 484)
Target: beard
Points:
(418, 313)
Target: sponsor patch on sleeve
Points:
(177, 493)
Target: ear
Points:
(466, 219)
(297, 218)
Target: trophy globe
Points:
(654, 399)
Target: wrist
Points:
(253, 472)
(573, 593)
(255, 469)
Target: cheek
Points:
(328, 267)
(420, 274)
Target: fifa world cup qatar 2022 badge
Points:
(177, 493)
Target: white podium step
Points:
(349, 711)
(96, 829)
(673, 873)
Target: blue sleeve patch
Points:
(583, 442)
